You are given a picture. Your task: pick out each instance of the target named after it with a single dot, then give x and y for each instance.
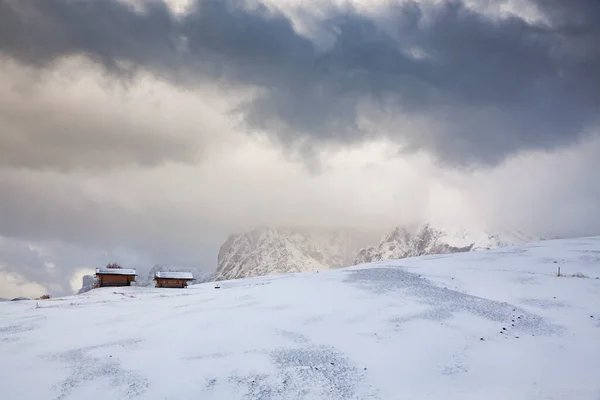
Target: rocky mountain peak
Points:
(269, 250)
(403, 242)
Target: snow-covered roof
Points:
(173, 275)
(115, 271)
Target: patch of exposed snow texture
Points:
(116, 271)
(174, 275)
(89, 282)
(497, 324)
(403, 242)
(266, 251)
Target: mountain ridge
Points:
(276, 250)
(425, 239)
(269, 250)
(279, 250)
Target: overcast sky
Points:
(145, 132)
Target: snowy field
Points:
(495, 324)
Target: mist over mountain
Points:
(88, 283)
(154, 129)
(268, 251)
(280, 250)
(403, 242)
(265, 251)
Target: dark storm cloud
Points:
(490, 86)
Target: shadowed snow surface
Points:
(495, 324)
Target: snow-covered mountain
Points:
(265, 251)
(403, 242)
(480, 325)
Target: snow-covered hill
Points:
(493, 325)
(266, 251)
(403, 242)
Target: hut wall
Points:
(171, 283)
(115, 280)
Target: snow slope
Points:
(265, 251)
(495, 324)
(402, 242)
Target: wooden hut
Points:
(170, 279)
(115, 276)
